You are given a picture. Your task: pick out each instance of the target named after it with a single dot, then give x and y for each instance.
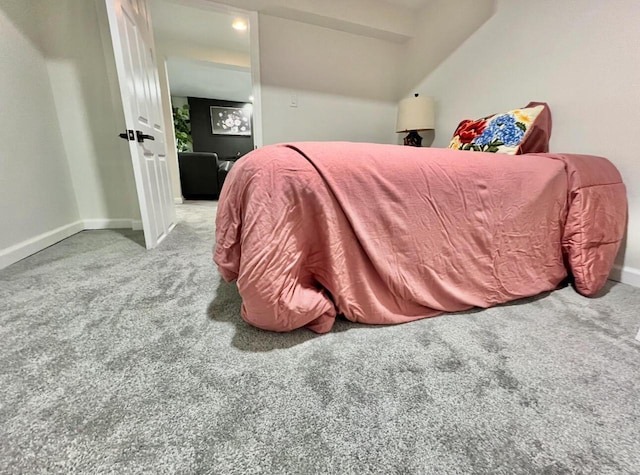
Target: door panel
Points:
(132, 38)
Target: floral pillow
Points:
(525, 130)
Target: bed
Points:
(386, 234)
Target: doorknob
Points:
(142, 137)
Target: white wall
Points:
(37, 201)
(345, 84)
(82, 73)
(580, 56)
(443, 25)
(179, 101)
(325, 117)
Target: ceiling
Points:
(184, 22)
(202, 50)
(190, 78)
(389, 20)
(413, 4)
(206, 57)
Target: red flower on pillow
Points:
(470, 129)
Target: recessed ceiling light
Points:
(239, 24)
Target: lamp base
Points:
(413, 139)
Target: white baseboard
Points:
(25, 248)
(108, 223)
(178, 200)
(30, 246)
(626, 275)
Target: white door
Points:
(131, 33)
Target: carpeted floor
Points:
(118, 360)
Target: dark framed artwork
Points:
(231, 120)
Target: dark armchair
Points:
(202, 174)
(199, 174)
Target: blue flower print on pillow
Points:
(499, 133)
(503, 128)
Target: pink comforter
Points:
(389, 234)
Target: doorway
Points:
(211, 77)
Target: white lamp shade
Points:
(415, 113)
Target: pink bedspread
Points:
(389, 234)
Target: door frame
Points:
(254, 48)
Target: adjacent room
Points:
(208, 71)
(348, 236)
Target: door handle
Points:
(142, 137)
(128, 135)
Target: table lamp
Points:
(414, 114)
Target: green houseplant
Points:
(182, 125)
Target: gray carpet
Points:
(118, 360)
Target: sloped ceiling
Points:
(390, 20)
(200, 31)
(189, 78)
(413, 4)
